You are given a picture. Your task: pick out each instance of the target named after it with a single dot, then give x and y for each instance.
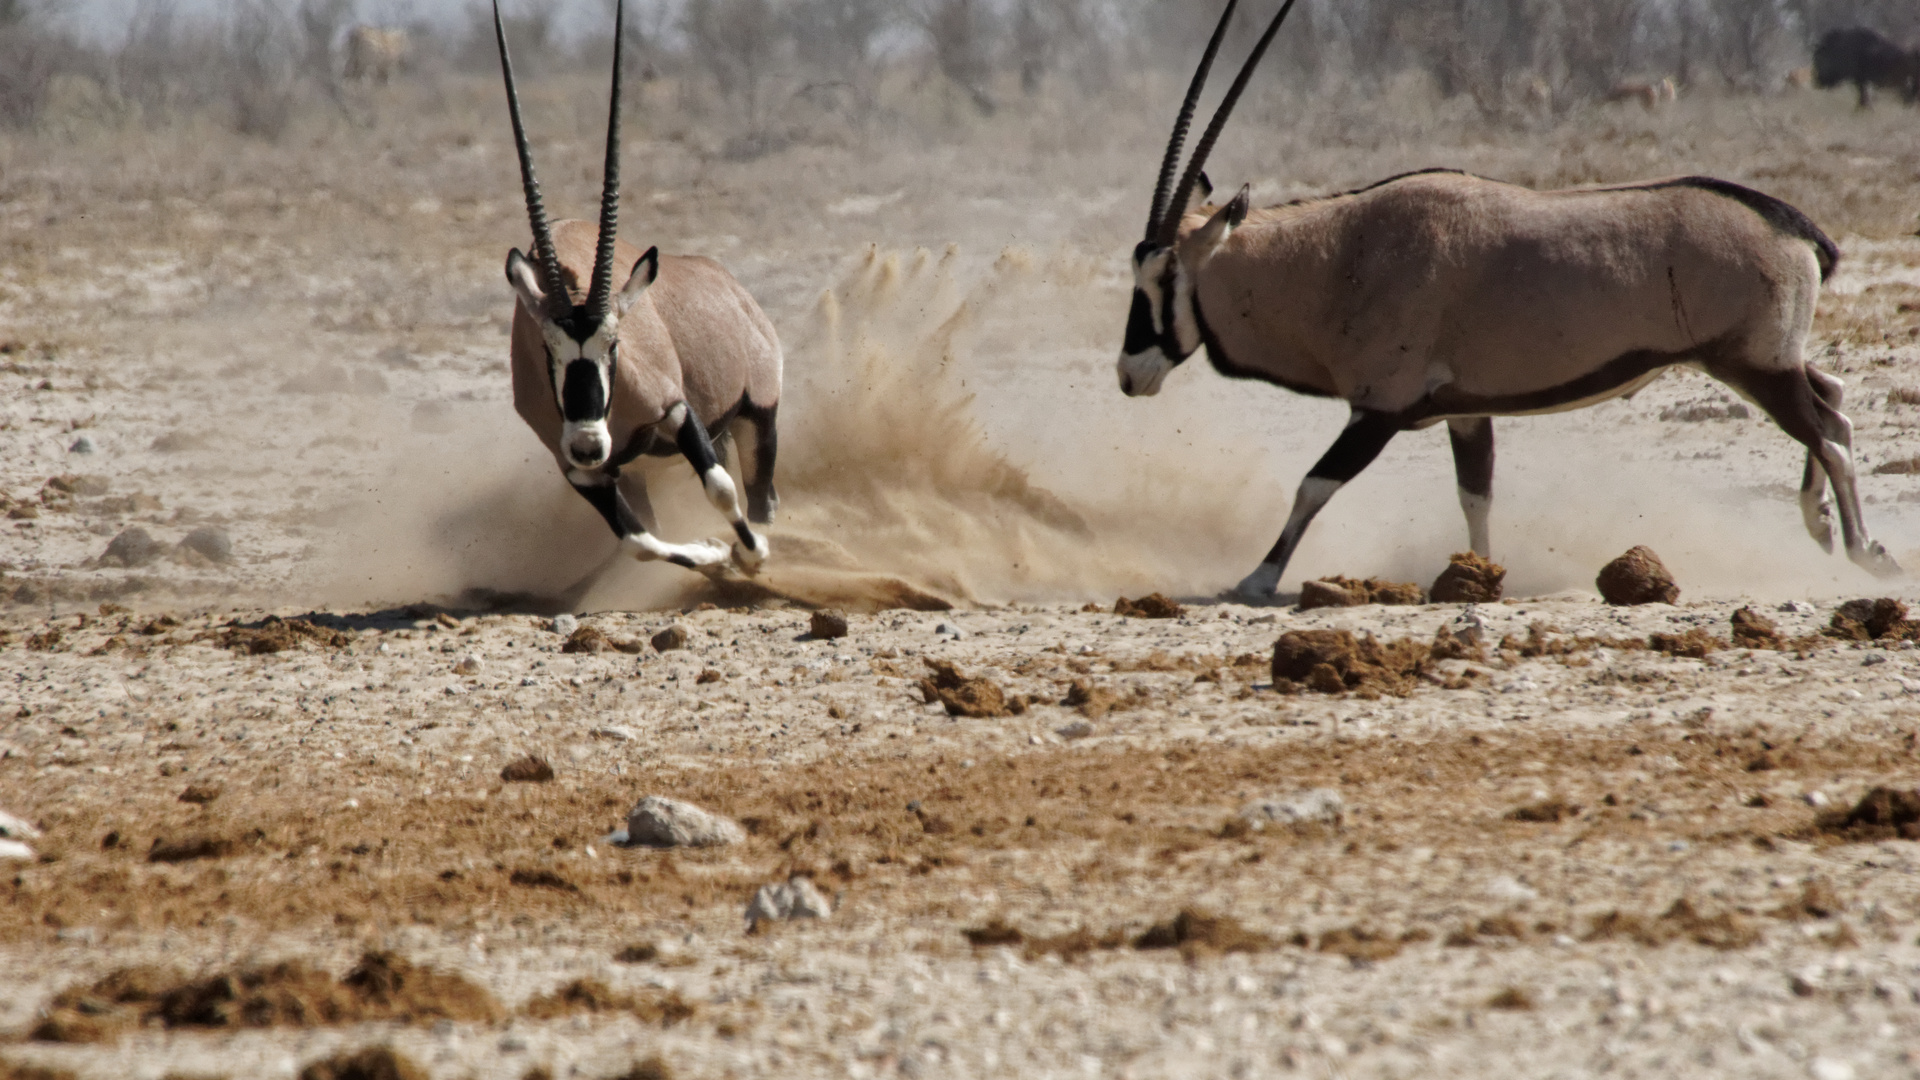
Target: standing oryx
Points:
(678, 350)
(1440, 296)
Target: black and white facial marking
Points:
(1162, 330)
(582, 356)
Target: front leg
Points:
(1367, 433)
(691, 436)
(600, 487)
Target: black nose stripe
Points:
(1140, 335)
(582, 397)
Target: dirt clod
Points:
(1695, 643)
(1202, 933)
(1637, 577)
(1752, 630)
(1350, 592)
(532, 769)
(1512, 999)
(827, 625)
(1546, 811)
(372, 1063)
(1884, 619)
(199, 794)
(652, 1067)
(968, 695)
(673, 637)
(995, 932)
(1884, 813)
(209, 542)
(586, 639)
(1468, 579)
(1091, 699)
(189, 848)
(1360, 944)
(1151, 606)
(1334, 661)
(275, 634)
(1682, 920)
(665, 1008)
(1817, 900)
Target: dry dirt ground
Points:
(1570, 856)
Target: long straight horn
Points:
(558, 303)
(1170, 227)
(602, 289)
(1171, 161)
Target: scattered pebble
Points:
(82, 445)
(1506, 888)
(532, 769)
(616, 732)
(1822, 1068)
(1797, 607)
(662, 822)
(949, 630)
(1816, 798)
(796, 899)
(1079, 729)
(673, 637)
(565, 625)
(467, 665)
(1316, 806)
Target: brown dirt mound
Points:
(1752, 630)
(1723, 931)
(1468, 579)
(1637, 577)
(1334, 661)
(1360, 944)
(587, 640)
(1512, 999)
(827, 625)
(1817, 900)
(372, 1063)
(968, 695)
(1091, 699)
(1885, 813)
(381, 987)
(1695, 643)
(532, 769)
(665, 1008)
(32, 1072)
(1202, 933)
(1546, 811)
(278, 635)
(1152, 606)
(1884, 619)
(1340, 591)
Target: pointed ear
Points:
(526, 283)
(644, 271)
(1202, 191)
(1210, 236)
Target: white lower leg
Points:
(696, 554)
(752, 549)
(1477, 508)
(1265, 579)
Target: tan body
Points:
(1651, 94)
(695, 336)
(377, 53)
(1476, 293)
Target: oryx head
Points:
(1163, 328)
(582, 341)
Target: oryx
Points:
(1440, 296)
(679, 350)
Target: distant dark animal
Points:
(1866, 59)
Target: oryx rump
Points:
(1441, 296)
(604, 377)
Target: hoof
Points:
(1259, 586)
(750, 559)
(1875, 560)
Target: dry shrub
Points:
(1334, 661)
(1548, 811)
(968, 695)
(1200, 933)
(1468, 579)
(1091, 699)
(1340, 591)
(1884, 813)
(1884, 619)
(1637, 577)
(372, 1063)
(275, 634)
(1152, 606)
(1723, 931)
(381, 987)
(1360, 944)
(1694, 643)
(665, 1008)
(1817, 900)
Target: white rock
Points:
(17, 828)
(14, 849)
(1506, 888)
(1816, 798)
(1079, 729)
(797, 899)
(565, 625)
(616, 732)
(659, 822)
(1469, 626)
(1319, 806)
(950, 630)
(82, 445)
(1521, 685)
(1823, 1068)
(1797, 607)
(468, 665)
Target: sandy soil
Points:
(1564, 857)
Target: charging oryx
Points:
(679, 350)
(1440, 296)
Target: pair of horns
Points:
(601, 291)
(1163, 221)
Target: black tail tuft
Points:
(1783, 216)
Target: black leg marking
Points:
(762, 499)
(1366, 435)
(607, 499)
(695, 445)
(1473, 454)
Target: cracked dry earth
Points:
(1587, 860)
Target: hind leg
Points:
(1814, 506)
(757, 438)
(1796, 399)
(1472, 439)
